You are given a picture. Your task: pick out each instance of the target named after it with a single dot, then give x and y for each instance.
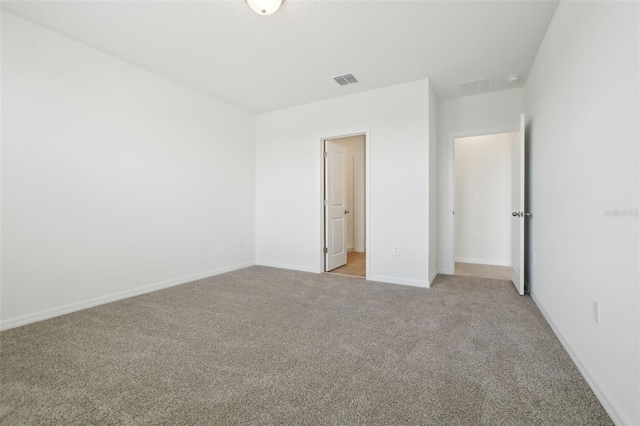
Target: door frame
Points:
(451, 256)
(367, 194)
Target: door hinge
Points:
(326, 154)
(326, 250)
(324, 202)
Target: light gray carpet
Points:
(268, 346)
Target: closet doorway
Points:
(482, 215)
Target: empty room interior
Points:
(320, 212)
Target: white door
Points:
(335, 191)
(518, 214)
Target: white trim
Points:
(349, 249)
(445, 271)
(288, 266)
(78, 306)
(452, 204)
(610, 407)
(401, 281)
(452, 184)
(367, 200)
(490, 262)
(433, 277)
(359, 249)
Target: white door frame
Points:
(451, 256)
(367, 194)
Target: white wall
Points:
(583, 104)
(354, 145)
(433, 185)
(495, 112)
(288, 168)
(483, 199)
(113, 178)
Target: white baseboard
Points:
(477, 260)
(401, 281)
(359, 249)
(288, 266)
(610, 407)
(349, 249)
(78, 306)
(433, 277)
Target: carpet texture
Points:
(269, 346)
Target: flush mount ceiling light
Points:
(513, 78)
(265, 7)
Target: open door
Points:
(518, 214)
(335, 195)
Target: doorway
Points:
(344, 195)
(482, 183)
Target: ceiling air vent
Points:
(473, 87)
(350, 78)
(343, 80)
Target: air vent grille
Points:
(350, 78)
(343, 80)
(473, 87)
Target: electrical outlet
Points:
(596, 311)
(240, 240)
(475, 198)
(475, 238)
(396, 250)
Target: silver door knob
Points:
(515, 214)
(346, 212)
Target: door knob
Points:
(515, 214)
(346, 212)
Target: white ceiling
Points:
(260, 63)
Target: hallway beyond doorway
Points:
(356, 265)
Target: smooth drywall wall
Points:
(490, 113)
(289, 173)
(354, 146)
(583, 107)
(483, 199)
(114, 180)
(433, 185)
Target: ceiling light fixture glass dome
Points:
(265, 7)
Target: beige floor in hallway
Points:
(483, 271)
(356, 265)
